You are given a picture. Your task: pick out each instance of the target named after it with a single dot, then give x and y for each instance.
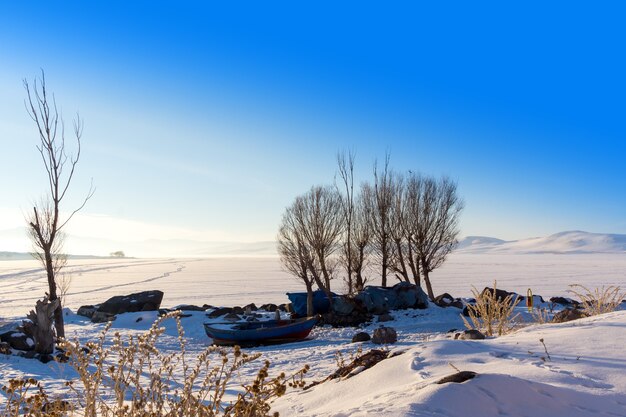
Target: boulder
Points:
(501, 294)
(443, 300)
(385, 317)
(250, 307)
(384, 335)
(87, 311)
(567, 302)
(471, 334)
(343, 306)
(361, 337)
(377, 300)
(238, 310)
(458, 378)
(18, 340)
(100, 317)
(287, 308)
(189, 307)
(269, 307)
(232, 317)
(568, 315)
(220, 311)
(5, 348)
(351, 320)
(409, 295)
(141, 301)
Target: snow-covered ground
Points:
(239, 281)
(586, 374)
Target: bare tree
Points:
(295, 254)
(309, 237)
(437, 227)
(362, 236)
(345, 165)
(45, 224)
(382, 206)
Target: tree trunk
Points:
(384, 267)
(40, 327)
(309, 300)
(429, 287)
(52, 287)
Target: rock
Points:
(232, 317)
(446, 300)
(269, 307)
(238, 310)
(100, 317)
(250, 307)
(206, 307)
(458, 378)
(384, 335)
(343, 306)
(502, 294)
(141, 301)
(5, 348)
(188, 307)
(31, 354)
(18, 340)
(62, 357)
(87, 311)
(45, 357)
(443, 300)
(465, 312)
(409, 295)
(352, 320)
(164, 311)
(565, 301)
(568, 315)
(471, 334)
(220, 311)
(385, 317)
(287, 307)
(138, 319)
(361, 337)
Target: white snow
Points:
(570, 242)
(586, 374)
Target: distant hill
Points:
(575, 241)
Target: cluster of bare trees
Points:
(400, 226)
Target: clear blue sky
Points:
(209, 120)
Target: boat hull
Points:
(259, 333)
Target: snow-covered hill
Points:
(564, 242)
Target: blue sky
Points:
(205, 121)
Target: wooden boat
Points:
(259, 332)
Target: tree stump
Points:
(41, 325)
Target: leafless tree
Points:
(437, 226)
(412, 221)
(345, 166)
(45, 225)
(362, 236)
(295, 254)
(315, 222)
(382, 205)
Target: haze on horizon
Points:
(204, 122)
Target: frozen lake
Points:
(237, 281)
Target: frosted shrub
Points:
(491, 315)
(600, 300)
(132, 378)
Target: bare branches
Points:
(45, 225)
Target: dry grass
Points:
(491, 315)
(599, 300)
(132, 378)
